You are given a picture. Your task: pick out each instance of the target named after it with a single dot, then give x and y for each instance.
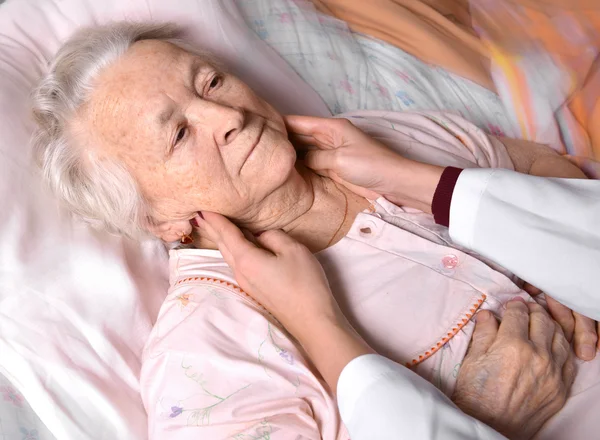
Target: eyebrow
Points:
(166, 115)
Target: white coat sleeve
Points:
(546, 231)
(380, 399)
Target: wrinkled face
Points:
(193, 137)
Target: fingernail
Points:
(588, 352)
(194, 221)
(518, 299)
(259, 233)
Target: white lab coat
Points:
(547, 231)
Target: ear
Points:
(170, 231)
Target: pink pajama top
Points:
(218, 366)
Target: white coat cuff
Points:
(359, 375)
(470, 187)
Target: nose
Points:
(225, 122)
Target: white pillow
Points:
(76, 305)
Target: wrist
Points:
(412, 183)
(326, 330)
(331, 345)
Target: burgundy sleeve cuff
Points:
(442, 198)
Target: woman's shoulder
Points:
(197, 277)
(203, 311)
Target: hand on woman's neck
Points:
(330, 216)
(315, 211)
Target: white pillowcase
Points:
(76, 305)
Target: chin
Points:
(284, 159)
(280, 168)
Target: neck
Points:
(319, 215)
(330, 217)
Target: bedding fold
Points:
(438, 32)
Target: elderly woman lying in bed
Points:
(138, 132)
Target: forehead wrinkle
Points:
(122, 112)
(115, 119)
(115, 110)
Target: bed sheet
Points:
(18, 421)
(350, 72)
(436, 31)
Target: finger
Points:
(249, 236)
(359, 190)
(541, 327)
(598, 332)
(207, 235)
(319, 160)
(276, 241)
(310, 125)
(563, 315)
(486, 329)
(227, 236)
(326, 133)
(569, 371)
(303, 140)
(515, 322)
(531, 289)
(585, 337)
(561, 349)
(364, 192)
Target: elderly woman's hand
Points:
(515, 376)
(364, 165)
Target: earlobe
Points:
(170, 231)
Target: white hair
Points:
(97, 189)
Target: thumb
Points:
(276, 241)
(232, 242)
(320, 160)
(306, 125)
(486, 329)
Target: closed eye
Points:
(180, 135)
(215, 82)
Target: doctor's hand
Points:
(339, 150)
(516, 375)
(285, 277)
